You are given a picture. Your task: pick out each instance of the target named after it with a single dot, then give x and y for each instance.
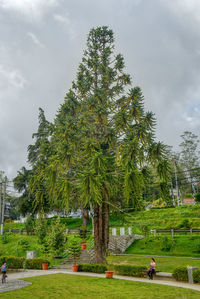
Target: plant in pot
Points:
(75, 251)
(83, 236)
(46, 252)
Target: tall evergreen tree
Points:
(103, 143)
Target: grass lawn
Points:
(182, 245)
(78, 287)
(162, 264)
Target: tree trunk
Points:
(85, 216)
(101, 232)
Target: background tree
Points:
(190, 158)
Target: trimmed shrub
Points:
(196, 276)
(13, 262)
(35, 263)
(128, 270)
(96, 268)
(180, 273)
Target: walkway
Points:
(13, 279)
(165, 256)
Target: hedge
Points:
(35, 263)
(96, 268)
(128, 270)
(13, 262)
(180, 273)
(196, 276)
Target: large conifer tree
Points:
(103, 138)
(103, 142)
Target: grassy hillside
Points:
(160, 218)
(182, 245)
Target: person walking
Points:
(152, 269)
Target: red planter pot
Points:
(44, 266)
(75, 268)
(109, 274)
(83, 246)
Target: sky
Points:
(42, 43)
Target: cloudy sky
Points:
(41, 45)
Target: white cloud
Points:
(12, 76)
(187, 7)
(35, 40)
(30, 8)
(62, 19)
(65, 20)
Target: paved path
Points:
(165, 256)
(13, 279)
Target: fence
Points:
(173, 231)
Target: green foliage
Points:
(196, 276)
(96, 268)
(75, 249)
(41, 229)
(35, 263)
(180, 274)
(166, 244)
(29, 225)
(13, 262)
(56, 237)
(128, 270)
(197, 197)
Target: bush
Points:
(196, 276)
(128, 270)
(159, 203)
(197, 197)
(13, 262)
(96, 268)
(35, 263)
(166, 244)
(180, 273)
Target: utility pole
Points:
(3, 205)
(0, 199)
(177, 190)
(173, 200)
